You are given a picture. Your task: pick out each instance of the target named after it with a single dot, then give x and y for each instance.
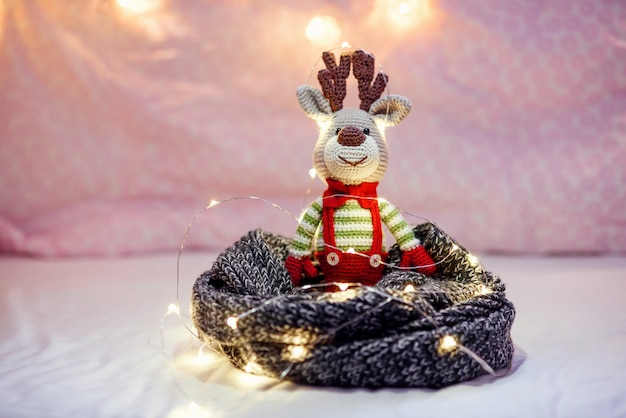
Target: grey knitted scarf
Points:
(382, 336)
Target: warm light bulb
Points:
(345, 44)
(351, 250)
(409, 288)
(403, 8)
(252, 367)
(472, 259)
(484, 290)
(297, 352)
(232, 322)
(402, 14)
(312, 173)
(173, 308)
(139, 7)
(454, 248)
(346, 292)
(447, 344)
(322, 30)
(213, 202)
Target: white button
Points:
(332, 259)
(375, 260)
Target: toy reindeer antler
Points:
(363, 69)
(333, 79)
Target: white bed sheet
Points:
(90, 337)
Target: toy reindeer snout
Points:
(351, 136)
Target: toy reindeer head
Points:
(351, 147)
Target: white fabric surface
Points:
(88, 337)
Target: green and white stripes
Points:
(399, 228)
(353, 228)
(311, 220)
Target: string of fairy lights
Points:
(299, 347)
(298, 350)
(321, 31)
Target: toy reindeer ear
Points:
(390, 110)
(314, 103)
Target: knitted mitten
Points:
(419, 257)
(299, 266)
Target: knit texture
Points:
(333, 79)
(374, 337)
(363, 70)
(327, 150)
(353, 228)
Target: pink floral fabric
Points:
(121, 120)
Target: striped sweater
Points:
(353, 228)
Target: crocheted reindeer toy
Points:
(342, 229)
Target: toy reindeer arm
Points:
(398, 226)
(302, 242)
(414, 254)
(299, 263)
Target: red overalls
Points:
(337, 266)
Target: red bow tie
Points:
(337, 194)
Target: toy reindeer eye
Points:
(366, 131)
(337, 131)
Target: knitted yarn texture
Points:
(351, 156)
(352, 228)
(365, 336)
